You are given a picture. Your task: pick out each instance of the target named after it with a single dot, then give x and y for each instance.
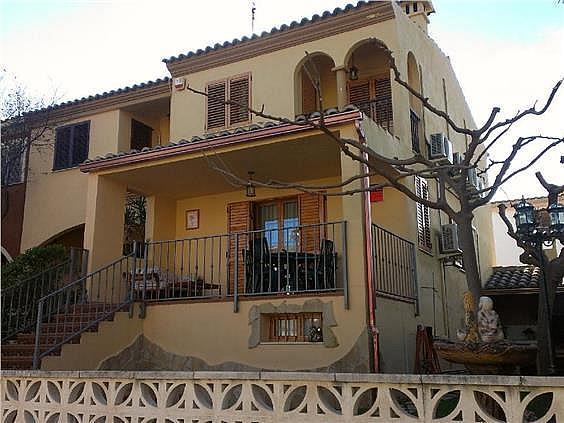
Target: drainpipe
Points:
(370, 287)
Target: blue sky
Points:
(505, 52)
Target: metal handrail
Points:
(20, 315)
(90, 299)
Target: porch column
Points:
(341, 74)
(103, 231)
(161, 218)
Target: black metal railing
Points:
(287, 260)
(79, 306)
(394, 265)
(19, 301)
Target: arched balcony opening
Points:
(415, 105)
(307, 98)
(368, 86)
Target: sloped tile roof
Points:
(305, 21)
(514, 277)
(252, 128)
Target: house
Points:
(254, 277)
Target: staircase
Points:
(62, 315)
(17, 353)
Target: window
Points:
(235, 89)
(423, 215)
(141, 135)
(279, 218)
(12, 162)
(414, 119)
(71, 145)
(293, 327)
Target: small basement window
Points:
(293, 327)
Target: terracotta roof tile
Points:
(514, 277)
(305, 21)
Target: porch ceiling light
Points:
(353, 73)
(250, 190)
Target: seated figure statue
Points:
(489, 326)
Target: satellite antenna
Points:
(253, 10)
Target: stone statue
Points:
(489, 326)
(470, 331)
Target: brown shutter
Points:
(423, 214)
(238, 220)
(309, 99)
(239, 92)
(359, 95)
(383, 103)
(215, 105)
(312, 211)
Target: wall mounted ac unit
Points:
(457, 158)
(449, 238)
(440, 148)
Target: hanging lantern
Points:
(353, 73)
(250, 191)
(556, 213)
(524, 217)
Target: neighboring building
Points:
(281, 279)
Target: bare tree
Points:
(397, 172)
(25, 124)
(552, 273)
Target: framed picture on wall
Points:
(193, 219)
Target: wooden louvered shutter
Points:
(312, 212)
(309, 98)
(80, 141)
(238, 220)
(383, 103)
(62, 148)
(423, 214)
(359, 95)
(216, 110)
(239, 92)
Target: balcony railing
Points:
(394, 265)
(294, 259)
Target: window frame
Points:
(22, 163)
(227, 107)
(423, 215)
(279, 202)
(300, 337)
(69, 164)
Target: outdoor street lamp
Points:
(525, 217)
(537, 232)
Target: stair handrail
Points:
(81, 292)
(37, 286)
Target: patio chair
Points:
(325, 269)
(260, 273)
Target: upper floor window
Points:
(71, 145)
(236, 89)
(12, 162)
(423, 214)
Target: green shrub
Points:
(33, 261)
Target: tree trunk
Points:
(466, 240)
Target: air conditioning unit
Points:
(482, 185)
(473, 179)
(440, 148)
(449, 238)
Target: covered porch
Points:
(206, 238)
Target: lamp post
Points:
(535, 231)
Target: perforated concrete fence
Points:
(246, 397)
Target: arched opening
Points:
(72, 237)
(415, 106)
(368, 86)
(316, 65)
